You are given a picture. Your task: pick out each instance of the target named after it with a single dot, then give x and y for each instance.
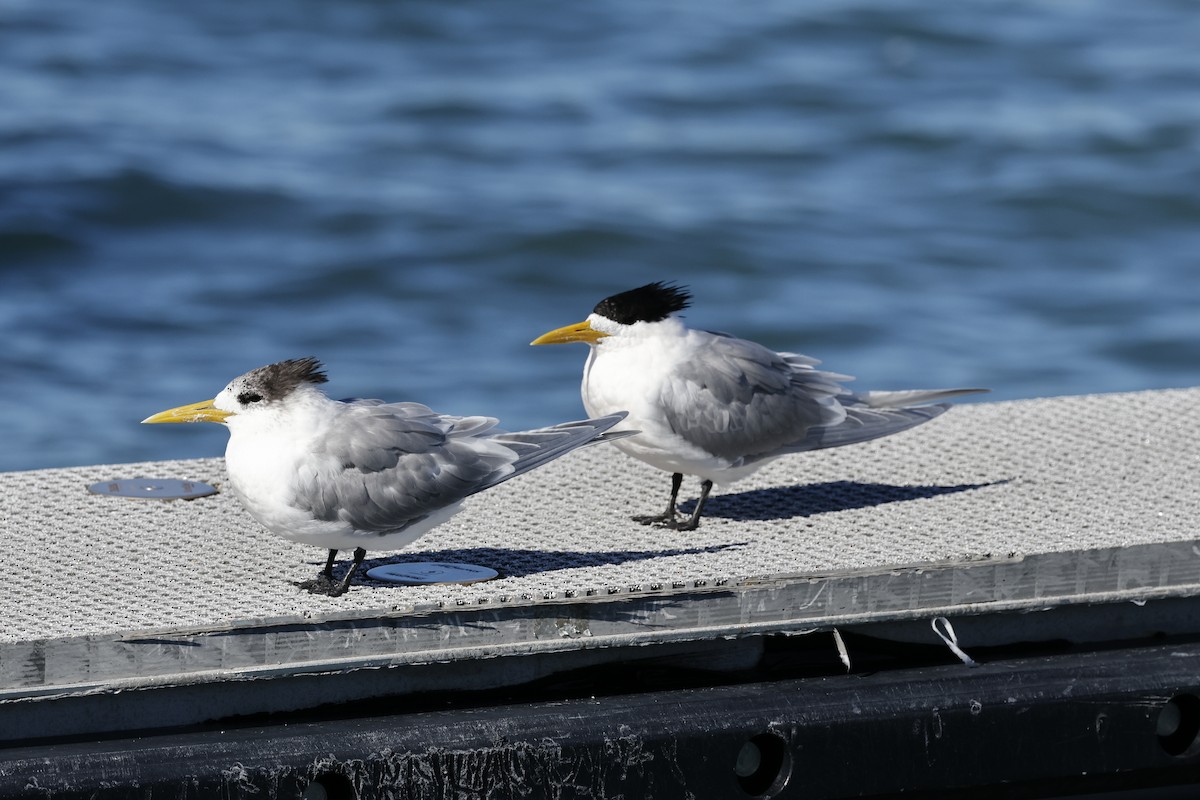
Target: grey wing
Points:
(739, 399)
(540, 446)
(383, 467)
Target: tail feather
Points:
(908, 397)
(870, 416)
(863, 423)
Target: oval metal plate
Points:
(153, 488)
(425, 573)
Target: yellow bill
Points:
(579, 332)
(196, 412)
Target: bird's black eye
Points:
(246, 398)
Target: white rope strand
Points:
(843, 653)
(951, 640)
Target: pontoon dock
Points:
(160, 648)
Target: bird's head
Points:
(259, 389)
(619, 313)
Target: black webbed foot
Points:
(669, 518)
(324, 582)
(672, 523)
(660, 520)
(323, 585)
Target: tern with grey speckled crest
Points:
(362, 474)
(712, 405)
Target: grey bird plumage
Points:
(713, 405)
(362, 474)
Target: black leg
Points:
(668, 517)
(694, 521)
(340, 589)
(324, 582)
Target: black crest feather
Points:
(276, 381)
(650, 303)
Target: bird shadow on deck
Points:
(520, 563)
(775, 503)
(786, 502)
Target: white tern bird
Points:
(359, 474)
(712, 405)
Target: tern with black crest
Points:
(362, 474)
(715, 406)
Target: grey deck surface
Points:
(1015, 505)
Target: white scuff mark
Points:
(812, 600)
(573, 629)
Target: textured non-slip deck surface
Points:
(983, 481)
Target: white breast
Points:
(263, 458)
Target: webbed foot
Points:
(323, 585)
(660, 520)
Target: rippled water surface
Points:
(992, 193)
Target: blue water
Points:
(1003, 194)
